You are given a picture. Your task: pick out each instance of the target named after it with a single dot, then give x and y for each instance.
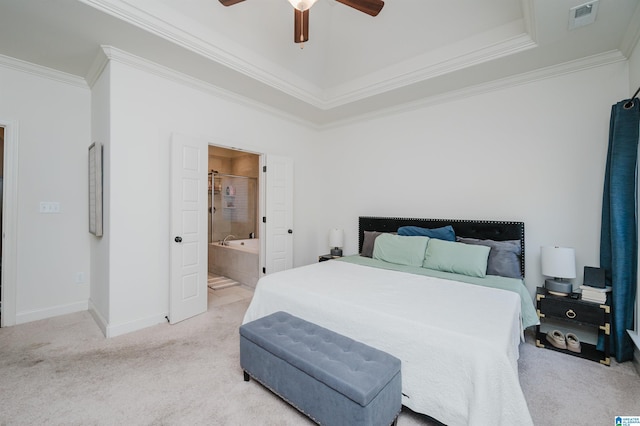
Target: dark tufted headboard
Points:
(481, 229)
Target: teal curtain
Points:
(619, 237)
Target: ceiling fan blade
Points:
(370, 7)
(300, 26)
(230, 2)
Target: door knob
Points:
(178, 239)
(290, 231)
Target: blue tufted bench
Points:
(331, 378)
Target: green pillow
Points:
(459, 258)
(400, 249)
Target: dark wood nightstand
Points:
(574, 312)
(324, 257)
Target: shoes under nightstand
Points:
(564, 310)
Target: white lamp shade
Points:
(558, 262)
(335, 237)
(302, 5)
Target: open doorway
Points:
(188, 255)
(233, 224)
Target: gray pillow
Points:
(504, 257)
(367, 244)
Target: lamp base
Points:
(559, 288)
(337, 251)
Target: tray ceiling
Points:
(353, 64)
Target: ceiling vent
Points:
(582, 15)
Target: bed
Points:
(456, 335)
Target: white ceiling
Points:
(353, 64)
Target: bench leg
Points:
(246, 376)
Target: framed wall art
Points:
(95, 189)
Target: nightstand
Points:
(324, 257)
(563, 311)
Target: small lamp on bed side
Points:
(559, 263)
(336, 241)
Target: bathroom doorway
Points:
(233, 219)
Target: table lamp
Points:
(559, 263)
(336, 241)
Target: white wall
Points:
(145, 109)
(534, 152)
(54, 134)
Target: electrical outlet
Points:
(79, 277)
(49, 207)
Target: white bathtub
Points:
(252, 245)
(238, 260)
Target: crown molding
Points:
(570, 67)
(357, 89)
(511, 46)
(44, 72)
(110, 53)
(125, 11)
(97, 66)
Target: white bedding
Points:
(458, 342)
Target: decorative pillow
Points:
(367, 244)
(455, 257)
(445, 233)
(504, 257)
(400, 249)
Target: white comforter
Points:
(458, 342)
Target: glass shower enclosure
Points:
(233, 206)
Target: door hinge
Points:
(264, 169)
(264, 219)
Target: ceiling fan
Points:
(301, 13)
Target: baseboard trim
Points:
(113, 330)
(98, 318)
(53, 311)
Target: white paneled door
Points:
(279, 214)
(188, 232)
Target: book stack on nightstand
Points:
(593, 288)
(594, 294)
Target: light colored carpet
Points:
(562, 389)
(63, 371)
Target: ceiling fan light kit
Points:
(301, 13)
(302, 5)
